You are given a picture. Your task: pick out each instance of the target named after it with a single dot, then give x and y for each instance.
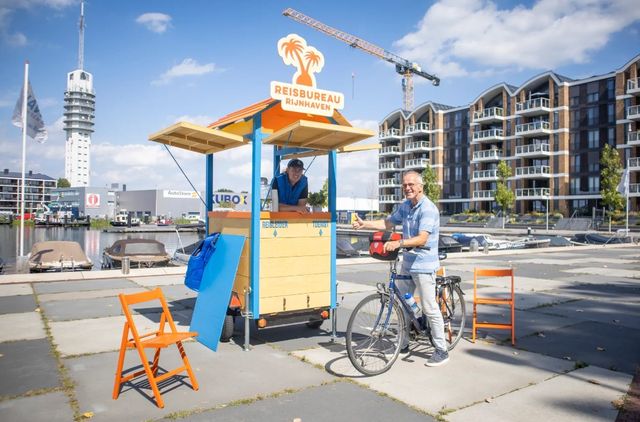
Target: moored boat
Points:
(142, 253)
(58, 256)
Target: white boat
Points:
(58, 256)
(122, 219)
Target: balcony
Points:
(389, 166)
(389, 183)
(490, 135)
(488, 115)
(389, 134)
(534, 107)
(633, 86)
(634, 189)
(420, 127)
(534, 129)
(484, 175)
(532, 193)
(487, 155)
(389, 199)
(634, 164)
(533, 150)
(533, 172)
(392, 150)
(417, 146)
(416, 163)
(633, 112)
(633, 138)
(483, 195)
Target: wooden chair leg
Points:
(156, 362)
(123, 349)
(187, 365)
(473, 325)
(150, 377)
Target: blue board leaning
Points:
(215, 290)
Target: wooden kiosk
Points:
(287, 269)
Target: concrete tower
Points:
(79, 108)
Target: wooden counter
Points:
(295, 258)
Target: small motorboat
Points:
(483, 239)
(181, 255)
(600, 239)
(448, 244)
(58, 256)
(142, 253)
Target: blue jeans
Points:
(425, 284)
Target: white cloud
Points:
(17, 39)
(474, 37)
(188, 67)
(25, 4)
(155, 22)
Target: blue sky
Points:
(157, 61)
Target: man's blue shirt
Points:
(424, 216)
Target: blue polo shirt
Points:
(424, 216)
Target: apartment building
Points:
(550, 131)
(37, 190)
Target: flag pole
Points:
(24, 151)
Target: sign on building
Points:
(92, 200)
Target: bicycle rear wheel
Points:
(454, 311)
(374, 334)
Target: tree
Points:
(431, 187)
(63, 183)
(224, 190)
(504, 196)
(610, 175)
(319, 199)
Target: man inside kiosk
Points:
(292, 187)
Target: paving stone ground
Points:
(577, 350)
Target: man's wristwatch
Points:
(401, 243)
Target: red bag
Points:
(376, 245)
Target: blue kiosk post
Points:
(278, 267)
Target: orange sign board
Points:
(301, 95)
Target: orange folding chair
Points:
(153, 340)
(487, 272)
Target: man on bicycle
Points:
(420, 221)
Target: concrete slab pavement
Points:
(21, 326)
(583, 395)
(50, 407)
(27, 365)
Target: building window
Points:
(611, 136)
(594, 161)
(594, 138)
(611, 89)
(592, 116)
(594, 184)
(575, 163)
(611, 113)
(458, 173)
(593, 97)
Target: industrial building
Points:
(156, 203)
(550, 130)
(37, 191)
(94, 202)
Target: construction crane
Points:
(403, 66)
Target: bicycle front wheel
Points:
(454, 311)
(374, 334)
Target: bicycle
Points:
(376, 328)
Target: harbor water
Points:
(92, 242)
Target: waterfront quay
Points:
(576, 355)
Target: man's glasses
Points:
(410, 185)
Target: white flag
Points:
(35, 124)
(623, 186)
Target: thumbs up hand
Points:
(358, 224)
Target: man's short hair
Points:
(296, 163)
(415, 174)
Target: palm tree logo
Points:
(294, 51)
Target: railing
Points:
(634, 188)
(634, 162)
(531, 104)
(389, 133)
(412, 146)
(533, 192)
(390, 150)
(633, 137)
(488, 113)
(388, 182)
(633, 84)
(388, 166)
(389, 198)
(489, 133)
(483, 194)
(418, 127)
(485, 174)
(488, 154)
(418, 162)
(533, 127)
(533, 148)
(533, 170)
(633, 112)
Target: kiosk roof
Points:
(197, 138)
(316, 135)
